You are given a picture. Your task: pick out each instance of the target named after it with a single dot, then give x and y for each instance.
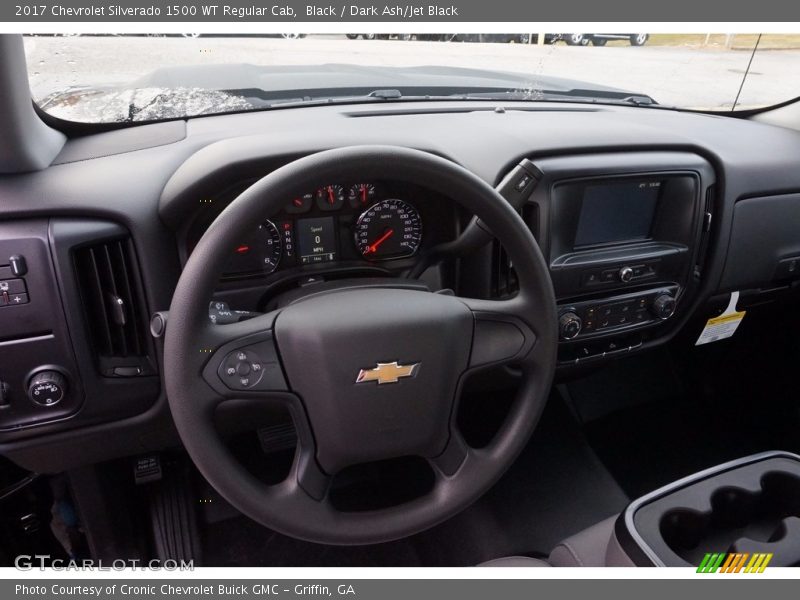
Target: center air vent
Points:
(504, 278)
(114, 308)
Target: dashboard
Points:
(709, 203)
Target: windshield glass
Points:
(109, 78)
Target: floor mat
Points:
(240, 542)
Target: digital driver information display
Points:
(617, 212)
(316, 240)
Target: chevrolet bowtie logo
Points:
(387, 373)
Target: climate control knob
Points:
(663, 306)
(47, 388)
(569, 325)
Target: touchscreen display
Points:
(617, 212)
(316, 240)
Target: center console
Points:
(739, 515)
(624, 236)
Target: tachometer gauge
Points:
(389, 229)
(260, 251)
(361, 195)
(330, 197)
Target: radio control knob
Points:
(569, 325)
(663, 306)
(47, 388)
(625, 274)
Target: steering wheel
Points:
(366, 374)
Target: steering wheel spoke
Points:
(244, 359)
(310, 477)
(502, 334)
(452, 458)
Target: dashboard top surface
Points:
(105, 177)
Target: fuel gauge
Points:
(330, 197)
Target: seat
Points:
(596, 546)
(586, 548)
(515, 561)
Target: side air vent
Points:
(114, 308)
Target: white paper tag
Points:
(723, 326)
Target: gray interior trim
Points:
(585, 549)
(121, 141)
(26, 143)
(515, 561)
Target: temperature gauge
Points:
(361, 195)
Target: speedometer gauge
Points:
(388, 229)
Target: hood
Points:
(177, 92)
(275, 80)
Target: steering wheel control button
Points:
(243, 368)
(237, 370)
(253, 368)
(47, 388)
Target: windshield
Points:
(110, 78)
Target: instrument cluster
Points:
(361, 221)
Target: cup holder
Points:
(740, 520)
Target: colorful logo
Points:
(734, 562)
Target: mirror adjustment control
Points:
(47, 388)
(19, 266)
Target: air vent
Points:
(114, 308)
(708, 217)
(504, 278)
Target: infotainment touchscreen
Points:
(617, 212)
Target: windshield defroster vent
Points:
(114, 307)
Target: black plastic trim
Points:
(634, 544)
